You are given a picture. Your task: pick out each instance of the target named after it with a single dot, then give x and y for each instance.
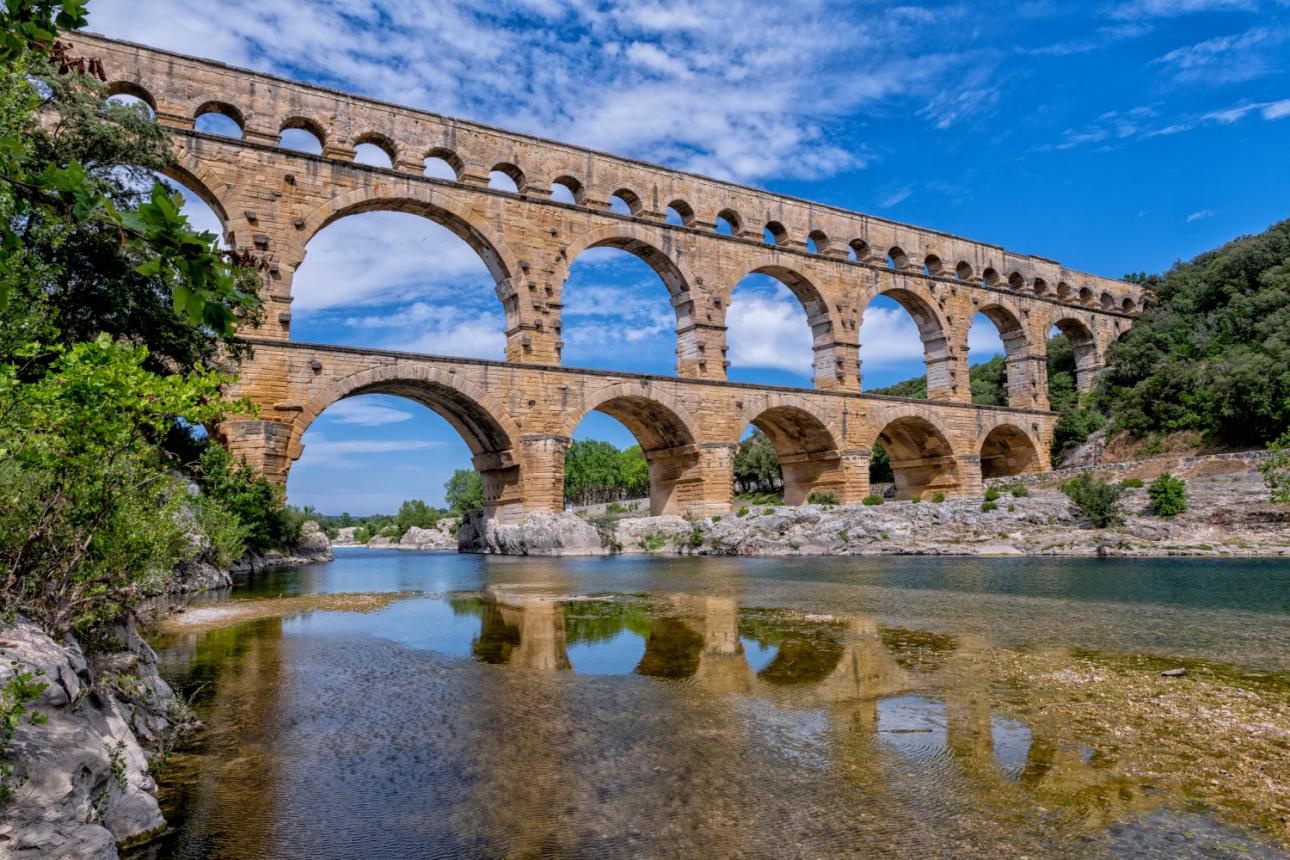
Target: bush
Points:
(361, 534)
(988, 506)
(246, 494)
(1276, 470)
(872, 500)
(1019, 490)
(992, 494)
(1132, 483)
(916, 499)
(742, 512)
(464, 491)
(1168, 496)
(822, 498)
(938, 497)
(1097, 499)
(224, 531)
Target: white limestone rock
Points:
(541, 533)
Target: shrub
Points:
(716, 520)
(361, 534)
(1276, 470)
(822, 498)
(1097, 499)
(872, 500)
(1168, 496)
(992, 494)
(696, 537)
(938, 497)
(1132, 483)
(988, 506)
(916, 499)
(1011, 507)
(224, 531)
(1019, 490)
(765, 512)
(242, 491)
(742, 512)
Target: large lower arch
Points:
(833, 362)
(808, 449)
(667, 434)
(921, 457)
(1088, 359)
(482, 423)
(939, 356)
(433, 204)
(1009, 450)
(658, 250)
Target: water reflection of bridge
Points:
(885, 711)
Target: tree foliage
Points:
(257, 503)
(415, 513)
(1097, 499)
(1168, 496)
(756, 465)
(597, 472)
(1276, 470)
(1214, 355)
(90, 518)
(464, 491)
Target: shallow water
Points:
(712, 707)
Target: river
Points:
(887, 707)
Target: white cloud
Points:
(767, 328)
(349, 453)
(1137, 9)
(1227, 59)
(365, 413)
(898, 196)
(888, 336)
(1197, 216)
(735, 88)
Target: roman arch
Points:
(700, 235)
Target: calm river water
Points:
(697, 707)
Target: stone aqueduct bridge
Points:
(517, 415)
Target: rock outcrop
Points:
(442, 536)
(313, 543)
(82, 781)
(541, 533)
(312, 547)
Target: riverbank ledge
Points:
(82, 777)
(1228, 515)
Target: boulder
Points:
(313, 543)
(440, 537)
(345, 536)
(541, 533)
(83, 782)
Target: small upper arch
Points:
(964, 271)
(897, 258)
(932, 265)
(381, 143)
(130, 88)
(1016, 281)
(567, 189)
(775, 233)
(624, 201)
(817, 242)
(858, 250)
(221, 108)
(729, 222)
(506, 176)
(443, 163)
(679, 213)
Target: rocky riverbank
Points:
(1228, 514)
(442, 536)
(82, 773)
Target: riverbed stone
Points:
(540, 533)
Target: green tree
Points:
(90, 516)
(1097, 499)
(414, 512)
(1213, 355)
(592, 472)
(1168, 496)
(1276, 470)
(257, 502)
(756, 466)
(464, 491)
(633, 473)
(880, 471)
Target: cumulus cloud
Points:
(767, 328)
(365, 413)
(734, 88)
(349, 453)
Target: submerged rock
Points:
(541, 533)
(82, 781)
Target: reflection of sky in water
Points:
(618, 655)
(423, 623)
(1011, 743)
(757, 654)
(801, 736)
(914, 725)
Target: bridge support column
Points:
(691, 479)
(262, 444)
(854, 469)
(1027, 381)
(503, 493)
(543, 465)
(701, 351)
(947, 372)
(1086, 373)
(970, 481)
(837, 366)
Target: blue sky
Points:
(1113, 136)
